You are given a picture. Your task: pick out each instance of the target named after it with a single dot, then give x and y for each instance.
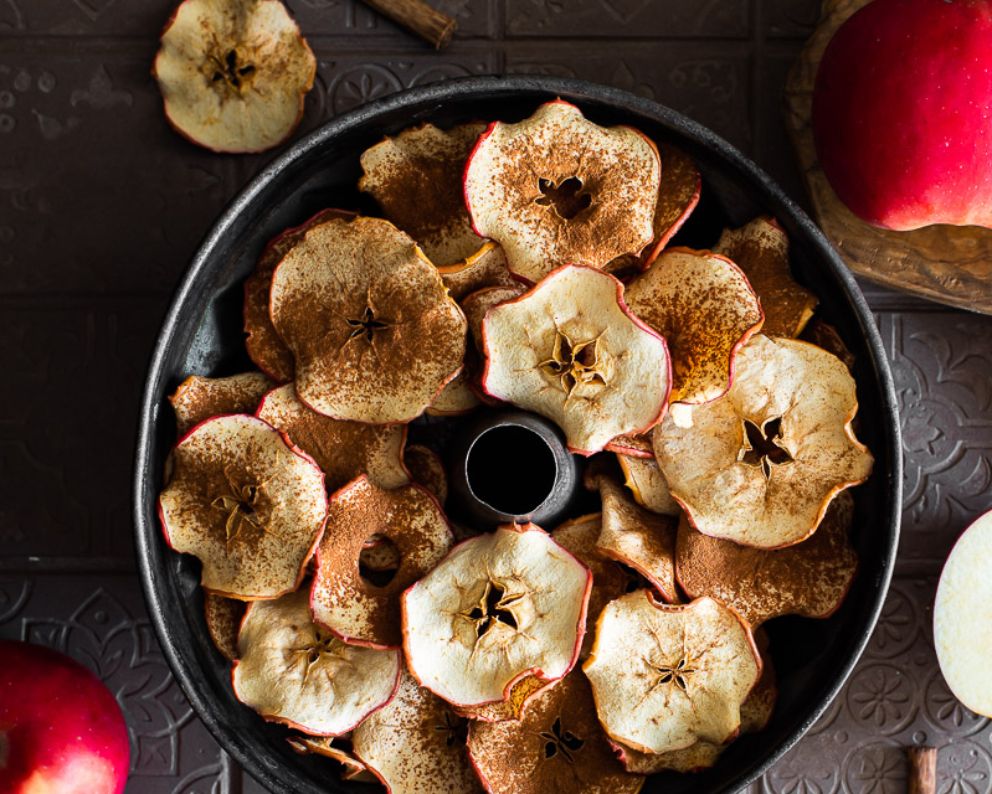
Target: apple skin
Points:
(902, 113)
(61, 731)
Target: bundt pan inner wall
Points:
(202, 334)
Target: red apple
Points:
(902, 113)
(61, 731)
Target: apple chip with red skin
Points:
(756, 712)
(199, 398)
(223, 617)
(579, 536)
(265, 347)
(416, 744)
(760, 465)
(665, 677)
(556, 747)
(809, 579)
(373, 332)
(292, 672)
(761, 250)
(638, 538)
(247, 504)
(557, 189)
(706, 310)
(485, 268)
(499, 607)
(234, 74)
(341, 448)
(341, 600)
(416, 177)
(570, 350)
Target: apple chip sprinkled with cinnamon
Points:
(247, 504)
(416, 177)
(760, 465)
(558, 189)
(570, 350)
(373, 332)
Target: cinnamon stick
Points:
(922, 770)
(418, 17)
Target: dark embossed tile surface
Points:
(101, 206)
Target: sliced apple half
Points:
(556, 747)
(342, 601)
(234, 74)
(665, 677)
(761, 250)
(557, 189)
(809, 579)
(760, 465)
(638, 538)
(223, 617)
(705, 308)
(199, 398)
(570, 350)
(343, 449)
(416, 744)
(416, 177)
(264, 345)
(373, 332)
(500, 607)
(292, 672)
(247, 504)
(962, 617)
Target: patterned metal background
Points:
(101, 206)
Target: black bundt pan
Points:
(202, 334)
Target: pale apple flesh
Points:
(962, 618)
(61, 730)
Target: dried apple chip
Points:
(374, 334)
(571, 351)
(456, 398)
(809, 579)
(292, 672)
(647, 484)
(329, 747)
(761, 250)
(345, 603)
(416, 177)
(703, 306)
(341, 448)
(246, 504)
(477, 304)
(557, 189)
(485, 268)
(761, 464)
(665, 677)
(223, 617)
(499, 607)
(199, 398)
(556, 747)
(265, 347)
(416, 744)
(522, 692)
(638, 538)
(234, 74)
(426, 468)
(579, 536)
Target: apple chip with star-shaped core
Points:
(760, 465)
(372, 329)
(570, 350)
